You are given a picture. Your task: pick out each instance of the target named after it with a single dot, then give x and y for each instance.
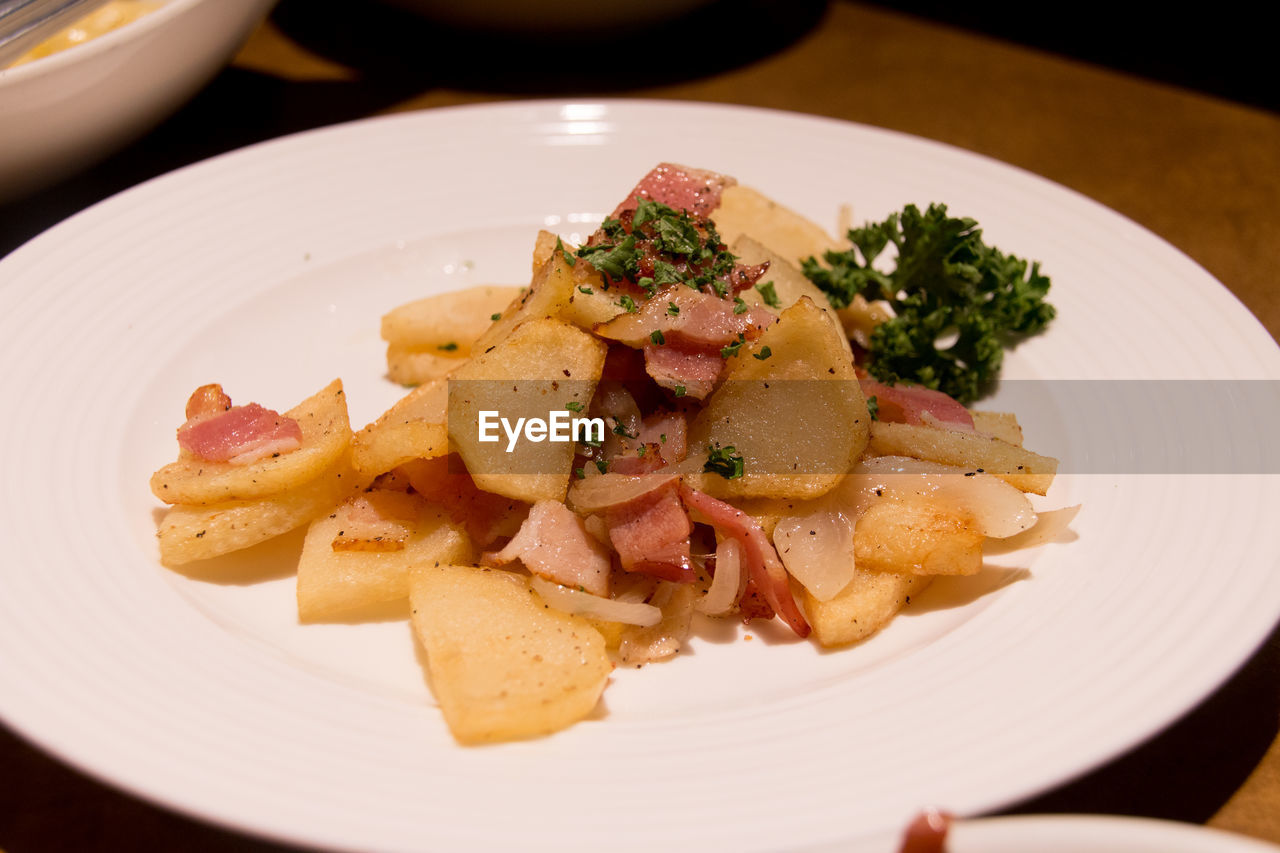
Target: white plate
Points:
(1095, 834)
(267, 270)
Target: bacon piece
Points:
(911, 404)
(554, 544)
(207, 401)
(379, 520)
(444, 480)
(216, 431)
(761, 560)
(669, 432)
(679, 187)
(694, 327)
(699, 319)
(927, 833)
(651, 535)
(683, 369)
(743, 276)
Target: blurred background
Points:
(349, 59)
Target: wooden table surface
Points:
(1201, 171)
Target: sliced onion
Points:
(602, 491)
(998, 509)
(728, 581)
(1049, 525)
(817, 550)
(586, 604)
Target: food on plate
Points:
(245, 474)
(668, 423)
(503, 664)
(100, 21)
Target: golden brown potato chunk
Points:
(504, 665)
(797, 417)
(334, 579)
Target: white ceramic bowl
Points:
(65, 112)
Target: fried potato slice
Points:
(503, 665)
(797, 418)
(1017, 466)
(407, 366)
(1001, 425)
(416, 427)
(862, 608)
(541, 368)
(744, 210)
(334, 582)
(326, 433)
(547, 296)
(789, 284)
(917, 536)
(190, 533)
(448, 323)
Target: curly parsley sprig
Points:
(957, 301)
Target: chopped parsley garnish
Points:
(764, 353)
(496, 317)
(449, 347)
(725, 461)
(732, 349)
(673, 309)
(873, 407)
(657, 337)
(628, 304)
(678, 391)
(573, 406)
(640, 452)
(957, 302)
(769, 295)
(584, 289)
(655, 245)
(621, 429)
(739, 306)
(602, 465)
(565, 253)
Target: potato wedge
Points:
(542, 367)
(416, 427)
(1001, 425)
(407, 366)
(502, 664)
(797, 418)
(547, 296)
(448, 323)
(917, 536)
(333, 583)
(744, 210)
(1017, 466)
(326, 433)
(862, 608)
(789, 284)
(190, 533)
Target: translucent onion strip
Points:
(602, 491)
(817, 550)
(1050, 525)
(727, 583)
(586, 604)
(998, 509)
